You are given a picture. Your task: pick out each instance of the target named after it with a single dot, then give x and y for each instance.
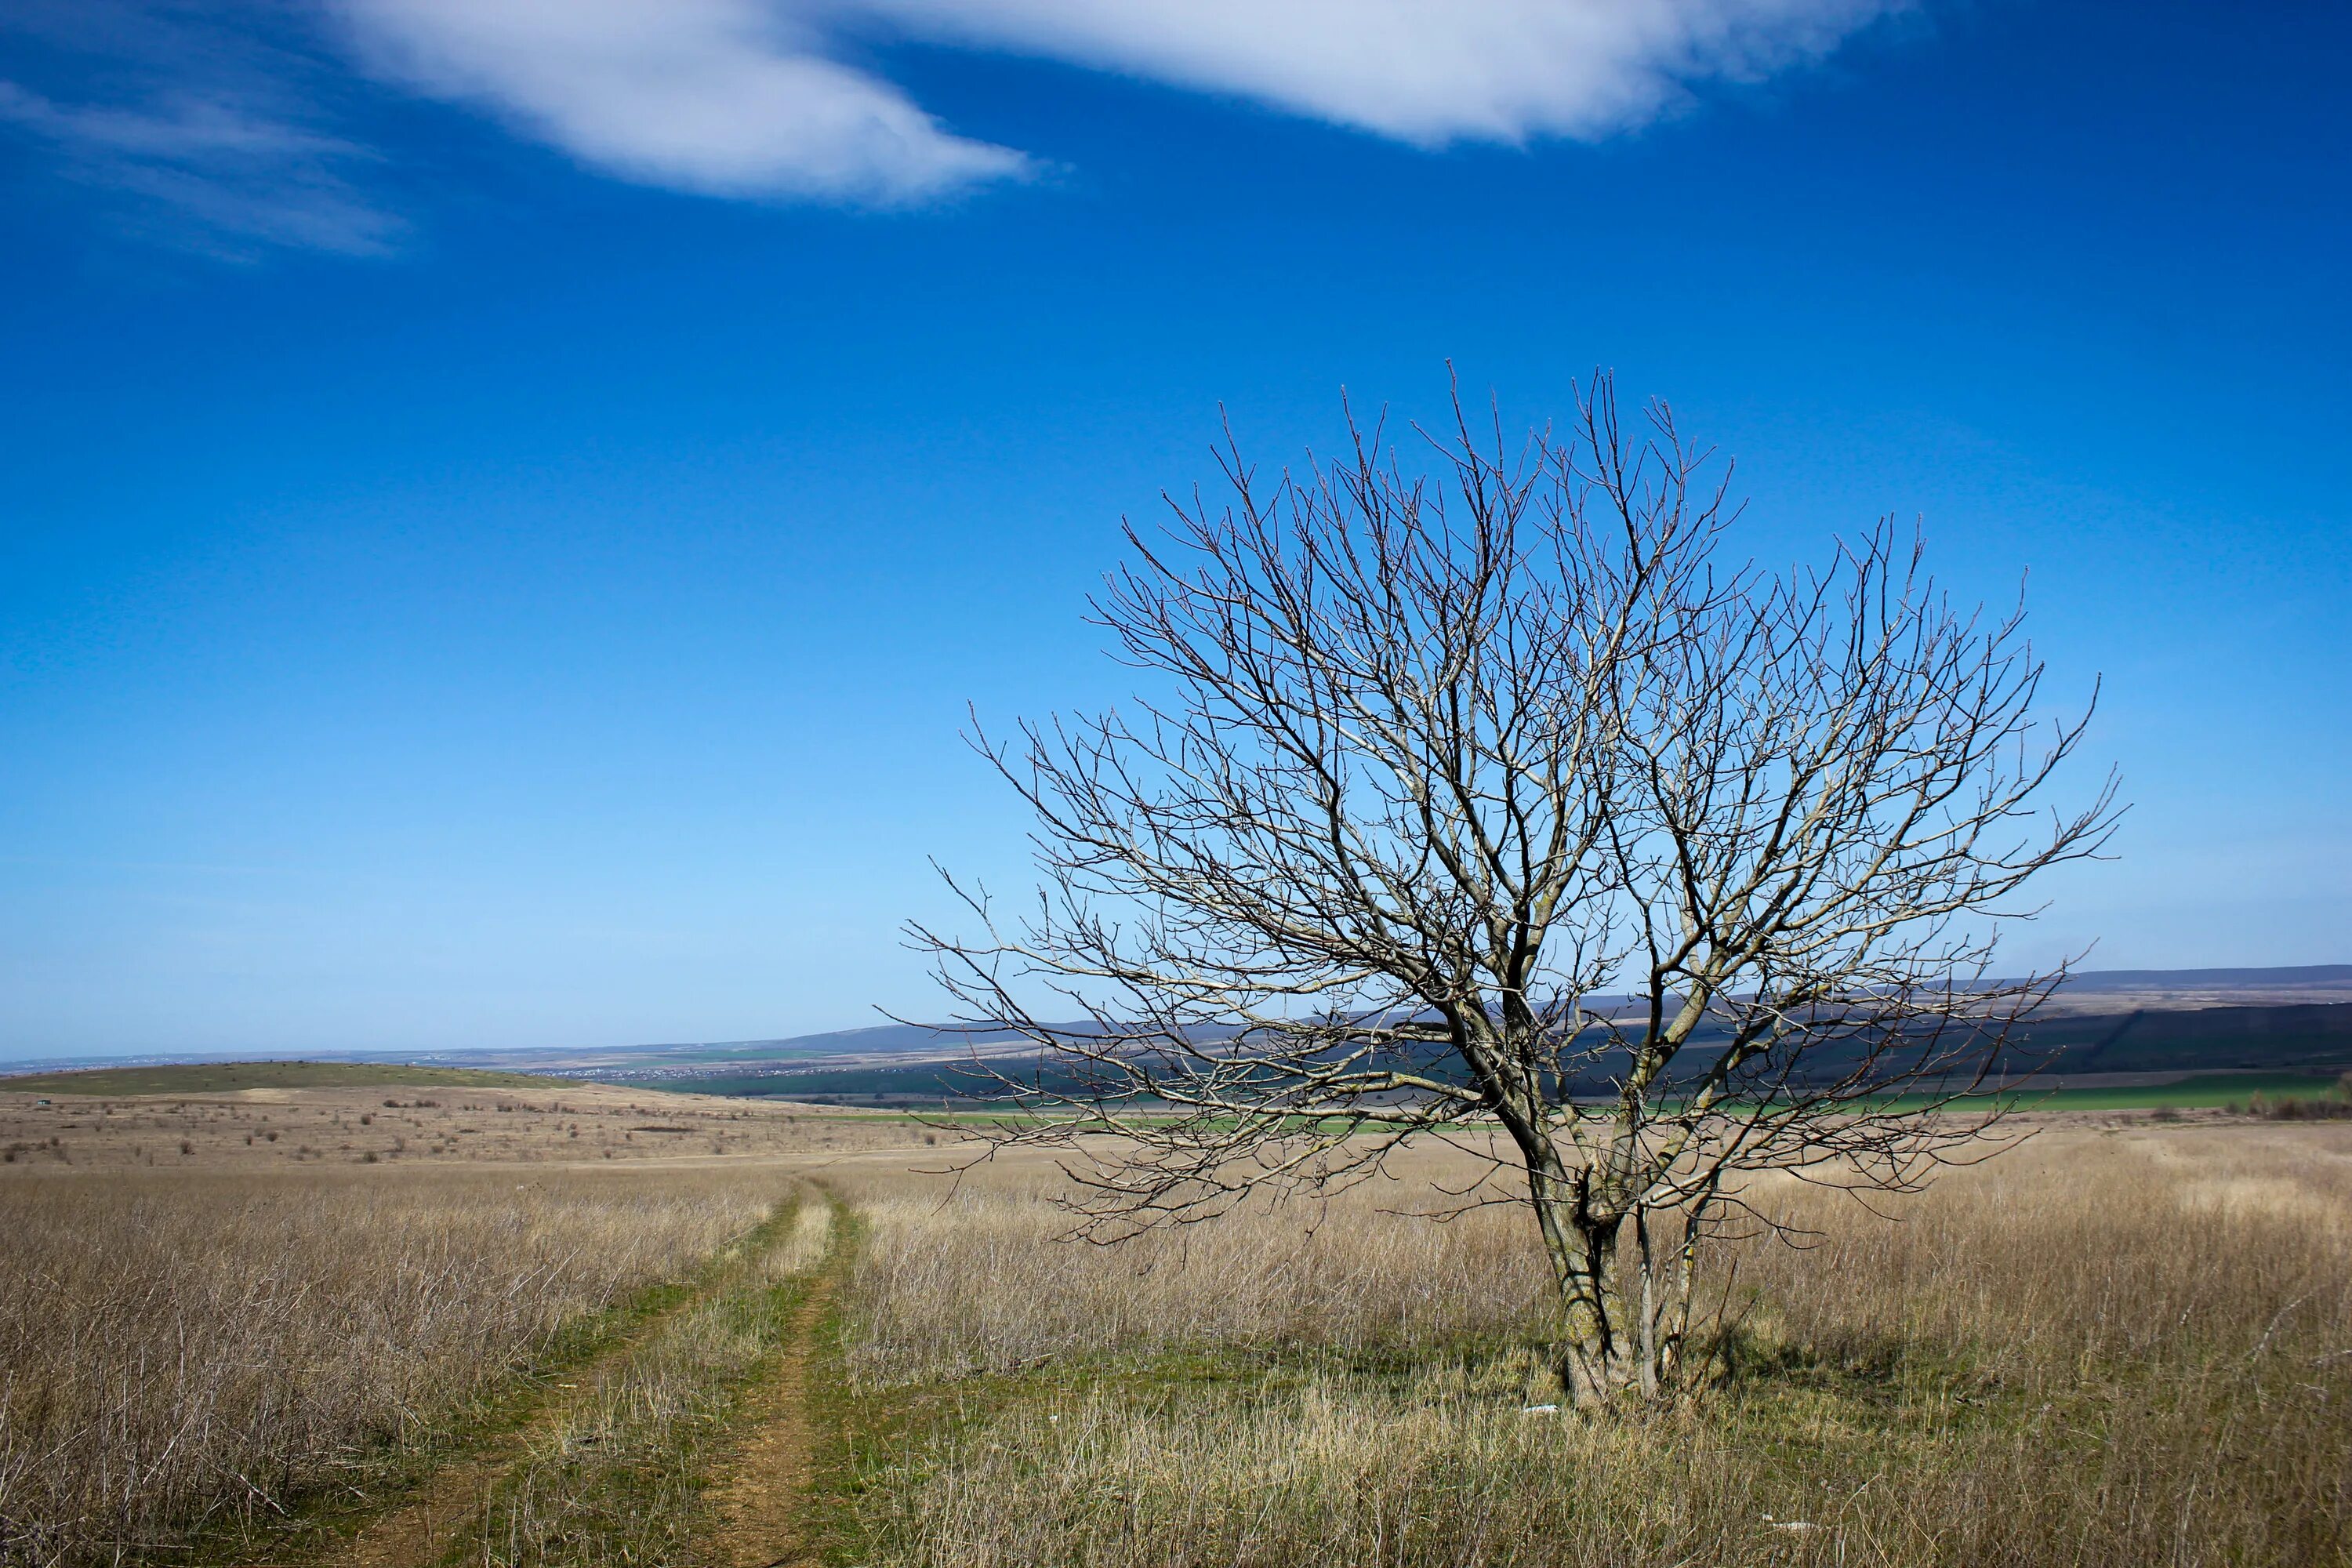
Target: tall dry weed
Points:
(978, 1279)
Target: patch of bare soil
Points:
(419, 1533)
(758, 1504)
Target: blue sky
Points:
(507, 503)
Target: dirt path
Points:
(758, 1503)
(421, 1531)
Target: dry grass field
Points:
(186, 1344)
(2111, 1346)
(2128, 1341)
(219, 1311)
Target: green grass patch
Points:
(2198, 1091)
(1229, 1457)
(848, 1428)
(1061, 1446)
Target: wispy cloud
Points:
(235, 179)
(204, 123)
(750, 96)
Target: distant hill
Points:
(2186, 987)
(2181, 988)
(2088, 995)
(2307, 1038)
(2301, 978)
(2094, 990)
(880, 1040)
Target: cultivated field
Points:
(2128, 1341)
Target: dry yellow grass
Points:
(2129, 1344)
(804, 1246)
(975, 1280)
(174, 1347)
(2119, 1347)
(215, 1305)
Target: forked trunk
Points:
(1624, 1310)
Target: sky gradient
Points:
(474, 574)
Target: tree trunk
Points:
(1601, 1350)
(1624, 1311)
(1603, 1358)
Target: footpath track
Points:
(754, 1505)
(761, 1503)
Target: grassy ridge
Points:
(214, 1078)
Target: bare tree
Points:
(1488, 806)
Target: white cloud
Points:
(749, 96)
(724, 96)
(1424, 71)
